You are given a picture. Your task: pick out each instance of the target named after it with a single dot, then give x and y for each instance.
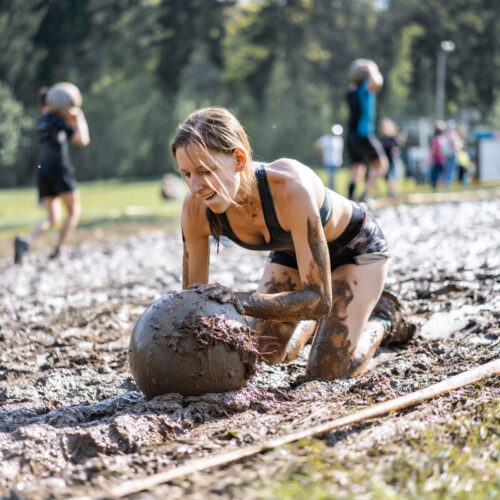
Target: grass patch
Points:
(104, 203)
(457, 460)
(118, 202)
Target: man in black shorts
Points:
(363, 148)
(56, 176)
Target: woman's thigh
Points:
(356, 290)
(274, 335)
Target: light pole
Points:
(445, 47)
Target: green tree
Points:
(13, 126)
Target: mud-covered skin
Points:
(283, 297)
(331, 351)
(274, 335)
(312, 301)
(284, 285)
(373, 335)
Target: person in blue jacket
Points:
(363, 148)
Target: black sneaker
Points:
(20, 248)
(388, 307)
(56, 253)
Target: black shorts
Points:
(362, 242)
(363, 149)
(54, 179)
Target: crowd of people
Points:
(449, 160)
(371, 154)
(367, 154)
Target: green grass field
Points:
(103, 203)
(115, 202)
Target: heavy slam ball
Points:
(187, 343)
(358, 70)
(63, 95)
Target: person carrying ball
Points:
(363, 148)
(61, 121)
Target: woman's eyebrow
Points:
(204, 165)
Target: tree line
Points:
(279, 65)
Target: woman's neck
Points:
(248, 197)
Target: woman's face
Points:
(214, 178)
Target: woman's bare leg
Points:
(378, 168)
(357, 172)
(274, 335)
(345, 341)
(71, 201)
(53, 208)
(302, 333)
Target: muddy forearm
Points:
(312, 302)
(285, 306)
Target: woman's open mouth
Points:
(209, 197)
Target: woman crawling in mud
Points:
(328, 257)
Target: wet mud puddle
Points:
(72, 419)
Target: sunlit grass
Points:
(117, 202)
(103, 203)
(458, 460)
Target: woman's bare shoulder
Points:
(297, 191)
(290, 172)
(286, 166)
(290, 177)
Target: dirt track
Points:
(72, 421)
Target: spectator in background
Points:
(172, 187)
(363, 148)
(437, 153)
(331, 147)
(391, 140)
(451, 146)
(465, 167)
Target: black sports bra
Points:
(280, 239)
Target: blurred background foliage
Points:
(280, 65)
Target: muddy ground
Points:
(72, 422)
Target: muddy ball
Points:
(190, 344)
(63, 95)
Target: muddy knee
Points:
(329, 363)
(331, 352)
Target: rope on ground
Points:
(465, 378)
